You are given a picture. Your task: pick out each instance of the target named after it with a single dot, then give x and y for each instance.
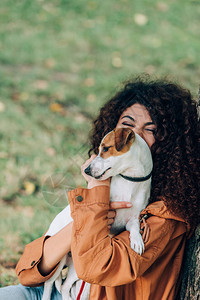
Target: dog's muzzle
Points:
(97, 177)
(88, 172)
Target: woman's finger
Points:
(110, 221)
(85, 165)
(111, 214)
(88, 161)
(120, 204)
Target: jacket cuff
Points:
(85, 197)
(27, 267)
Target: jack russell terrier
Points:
(124, 156)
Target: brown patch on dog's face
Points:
(117, 142)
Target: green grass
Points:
(73, 54)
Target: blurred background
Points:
(60, 60)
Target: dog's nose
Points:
(88, 170)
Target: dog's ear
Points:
(123, 136)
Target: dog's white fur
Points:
(136, 162)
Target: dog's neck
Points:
(136, 179)
(122, 189)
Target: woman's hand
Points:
(92, 182)
(112, 213)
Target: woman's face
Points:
(138, 119)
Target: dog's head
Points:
(109, 161)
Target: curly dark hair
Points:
(176, 151)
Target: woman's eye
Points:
(127, 124)
(151, 130)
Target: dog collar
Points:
(136, 179)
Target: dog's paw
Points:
(137, 243)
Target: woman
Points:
(165, 116)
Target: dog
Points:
(126, 158)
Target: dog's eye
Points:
(105, 149)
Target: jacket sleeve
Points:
(27, 267)
(107, 261)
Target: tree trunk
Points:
(190, 289)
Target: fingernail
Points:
(129, 205)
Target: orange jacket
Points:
(115, 271)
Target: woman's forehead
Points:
(138, 112)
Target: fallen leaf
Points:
(41, 84)
(140, 19)
(162, 6)
(91, 98)
(56, 107)
(50, 63)
(117, 62)
(50, 151)
(89, 81)
(24, 96)
(80, 118)
(15, 96)
(29, 187)
(2, 107)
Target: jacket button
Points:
(32, 262)
(79, 198)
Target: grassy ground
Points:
(60, 61)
